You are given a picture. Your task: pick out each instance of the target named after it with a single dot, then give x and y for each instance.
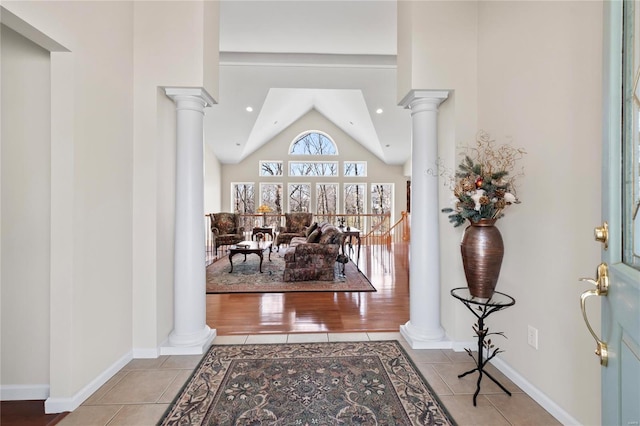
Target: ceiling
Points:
(285, 58)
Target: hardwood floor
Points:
(383, 310)
(27, 413)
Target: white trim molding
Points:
(59, 405)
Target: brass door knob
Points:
(602, 234)
(602, 289)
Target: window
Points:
(242, 197)
(355, 168)
(271, 168)
(354, 198)
(313, 143)
(326, 199)
(271, 195)
(381, 201)
(313, 168)
(355, 195)
(299, 197)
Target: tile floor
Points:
(140, 393)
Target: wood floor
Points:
(383, 310)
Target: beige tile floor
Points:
(140, 393)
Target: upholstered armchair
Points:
(226, 229)
(295, 225)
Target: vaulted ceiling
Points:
(284, 58)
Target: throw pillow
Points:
(328, 235)
(314, 237)
(311, 228)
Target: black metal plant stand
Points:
(482, 308)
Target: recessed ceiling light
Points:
(379, 111)
(249, 109)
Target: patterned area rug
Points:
(245, 277)
(345, 383)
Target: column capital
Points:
(421, 96)
(183, 93)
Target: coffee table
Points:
(250, 247)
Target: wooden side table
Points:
(482, 308)
(350, 234)
(263, 230)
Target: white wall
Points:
(26, 204)
(349, 150)
(101, 130)
(540, 84)
(113, 138)
(529, 73)
(212, 182)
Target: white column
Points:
(190, 334)
(423, 330)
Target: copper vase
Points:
(482, 251)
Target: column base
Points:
(191, 344)
(419, 338)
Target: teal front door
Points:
(619, 342)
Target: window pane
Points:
(381, 202)
(299, 197)
(355, 195)
(271, 196)
(358, 168)
(243, 200)
(271, 168)
(326, 200)
(313, 144)
(313, 168)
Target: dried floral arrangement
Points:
(483, 185)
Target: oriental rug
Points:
(342, 383)
(246, 277)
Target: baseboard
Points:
(23, 392)
(59, 405)
(536, 394)
(146, 352)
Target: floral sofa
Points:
(313, 256)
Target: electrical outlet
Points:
(532, 336)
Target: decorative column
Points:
(190, 334)
(423, 330)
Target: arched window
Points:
(313, 143)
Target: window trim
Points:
(261, 162)
(289, 195)
(233, 193)
(344, 171)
